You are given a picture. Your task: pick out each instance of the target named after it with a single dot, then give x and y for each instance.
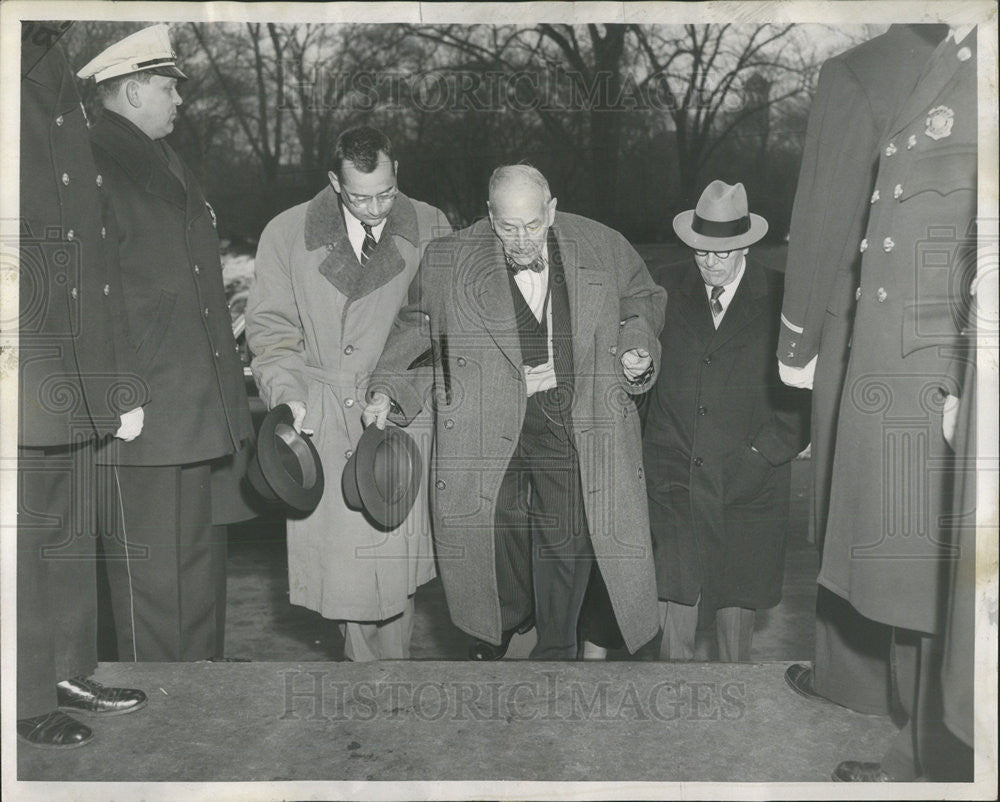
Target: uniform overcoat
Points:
(176, 302)
(316, 322)
(719, 511)
(884, 543)
(852, 105)
(74, 379)
(461, 306)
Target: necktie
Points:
(368, 246)
(716, 303)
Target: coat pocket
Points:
(943, 171)
(929, 324)
(160, 322)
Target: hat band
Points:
(155, 62)
(720, 228)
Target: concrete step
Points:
(423, 720)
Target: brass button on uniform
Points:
(449, 424)
(897, 191)
(348, 402)
(104, 233)
(59, 120)
(881, 294)
(71, 235)
(65, 179)
(864, 245)
(857, 294)
(348, 454)
(348, 349)
(99, 180)
(107, 289)
(73, 293)
(638, 472)
(911, 143)
(698, 462)
(205, 313)
(888, 244)
(613, 350)
(890, 149)
(197, 270)
(703, 410)
(707, 361)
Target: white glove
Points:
(298, 415)
(798, 377)
(636, 362)
(949, 419)
(131, 425)
(377, 411)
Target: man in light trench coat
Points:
(541, 325)
(330, 275)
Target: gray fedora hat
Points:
(721, 221)
(286, 467)
(382, 475)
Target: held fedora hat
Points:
(286, 466)
(382, 476)
(721, 221)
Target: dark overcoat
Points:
(884, 545)
(74, 381)
(719, 511)
(181, 330)
(461, 310)
(853, 101)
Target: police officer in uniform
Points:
(887, 551)
(174, 489)
(77, 385)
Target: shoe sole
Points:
(104, 713)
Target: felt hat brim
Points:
(683, 228)
(384, 475)
(286, 467)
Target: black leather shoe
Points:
(854, 771)
(800, 679)
(54, 730)
(89, 696)
(481, 650)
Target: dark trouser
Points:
(597, 617)
(56, 585)
(924, 746)
(166, 563)
(542, 539)
(851, 666)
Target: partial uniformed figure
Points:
(77, 387)
(331, 274)
(177, 486)
(835, 193)
(888, 549)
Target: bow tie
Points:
(537, 266)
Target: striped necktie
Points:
(368, 246)
(716, 303)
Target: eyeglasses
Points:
(367, 200)
(717, 254)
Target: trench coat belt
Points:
(339, 379)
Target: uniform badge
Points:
(939, 122)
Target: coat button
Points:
(857, 294)
(348, 402)
(698, 462)
(911, 143)
(99, 180)
(449, 424)
(65, 179)
(59, 120)
(197, 270)
(707, 361)
(864, 245)
(613, 350)
(460, 361)
(964, 54)
(348, 349)
(875, 196)
(107, 289)
(216, 354)
(890, 149)
(881, 294)
(888, 244)
(73, 293)
(348, 454)
(703, 410)
(439, 484)
(897, 191)
(71, 235)
(638, 472)
(236, 348)
(104, 233)
(205, 312)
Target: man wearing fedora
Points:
(174, 488)
(541, 325)
(331, 274)
(721, 430)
